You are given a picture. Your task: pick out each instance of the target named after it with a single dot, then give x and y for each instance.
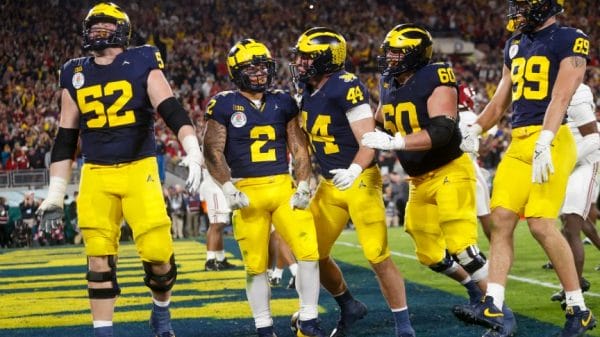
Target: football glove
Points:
(470, 138)
(193, 161)
(344, 178)
(542, 158)
(51, 211)
(383, 141)
(301, 197)
(235, 198)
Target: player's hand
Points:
(51, 216)
(194, 165)
(301, 197)
(344, 178)
(383, 141)
(542, 158)
(235, 198)
(470, 138)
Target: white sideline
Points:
(512, 277)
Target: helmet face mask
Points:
(407, 47)
(528, 15)
(251, 66)
(98, 36)
(319, 51)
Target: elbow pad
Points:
(441, 130)
(173, 114)
(65, 144)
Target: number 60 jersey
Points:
(116, 118)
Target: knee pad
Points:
(160, 283)
(94, 276)
(447, 266)
(474, 262)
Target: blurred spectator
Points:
(4, 229)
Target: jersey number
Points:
(530, 77)
(319, 133)
(88, 101)
(400, 118)
(262, 134)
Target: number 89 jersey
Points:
(534, 60)
(404, 110)
(256, 144)
(116, 118)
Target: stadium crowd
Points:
(194, 37)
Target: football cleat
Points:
(292, 283)
(578, 322)
(160, 319)
(350, 313)
(225, 264)
(275, 281)
(548, 265)
(266, 332)
(484, 313)
(308, 328)
(211, 265)
(510, 325)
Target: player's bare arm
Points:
(570, 75)
(298, 147)
(214, 145)
(495, 109)
(364, 156)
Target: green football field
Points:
(43, 293)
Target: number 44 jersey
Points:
(116, 118)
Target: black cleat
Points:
(350, 313)
(225, 265)
(578, 322)
(211, 265)
(484, 313)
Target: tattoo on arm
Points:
(214, 155)
(298, 146)
(578, 61)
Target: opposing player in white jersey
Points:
(582, 186)
(219, 215)
(466, 110)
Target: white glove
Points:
(193, 161)
(344, 178)
(542, 158)
(235, 198)
(301, 197)
(470, 138)
(51, 209)
(383, 141)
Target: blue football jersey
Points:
(256, 144)
(534, 60)
(324, 119)
(116, 118)
(404, 109)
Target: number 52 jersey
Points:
(116, 118)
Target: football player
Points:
(582, 187)
(335, 115)
(108, 100)
(467, 116)
(421, 125)
(248, 135)
(544, 63)
(218, 217)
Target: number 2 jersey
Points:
(534, 60)
(256, 144)
(116, 118)
(324, 119)
(404, 109)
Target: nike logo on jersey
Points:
(276, 107)
(488, 313)
(125, 62)
(149, 179)
(361, 184)
(446, 180)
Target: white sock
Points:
(258, 292)
(100, 324)
(220, 255)
(277, 273)
(162, 304)
(293, 269)
(497, 292)
(308, 286)
(211, 255)
(575, 298)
